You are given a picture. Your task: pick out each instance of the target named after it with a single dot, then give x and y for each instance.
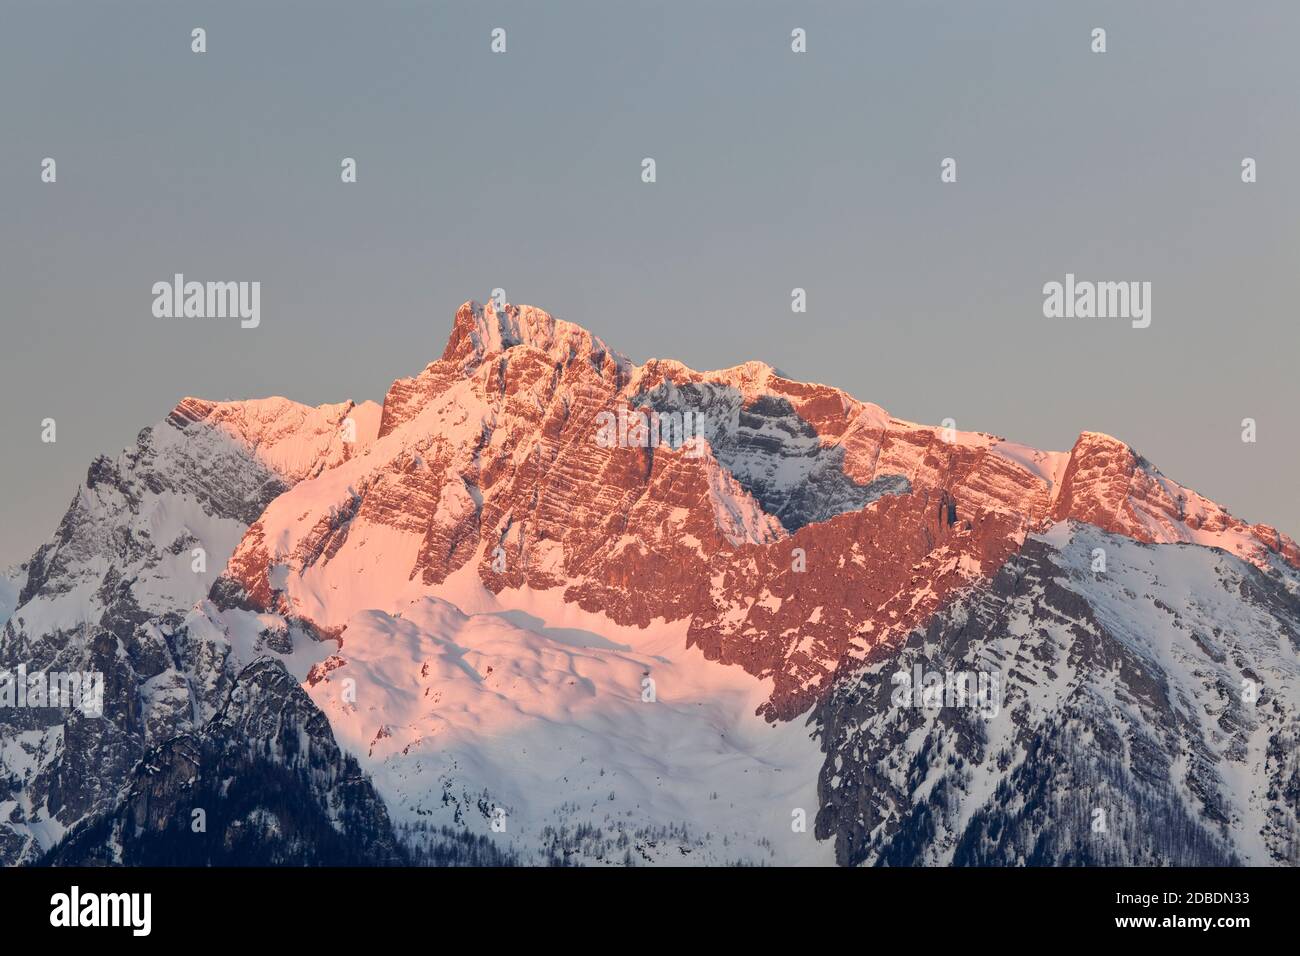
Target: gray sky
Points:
(775, 170)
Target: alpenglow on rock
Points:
(461, 629)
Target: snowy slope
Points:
(537, 709)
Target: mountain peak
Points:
(488, 562)
(479, 331)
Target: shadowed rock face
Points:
(262, 783)
(808, 534)
(774, 454)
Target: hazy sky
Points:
(775, 170)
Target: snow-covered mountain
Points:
(560, 607)
(144, 539)
(1146, 716)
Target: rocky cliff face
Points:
(802, 541)
(262, 783)
(1109, 485)
(806, 522)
